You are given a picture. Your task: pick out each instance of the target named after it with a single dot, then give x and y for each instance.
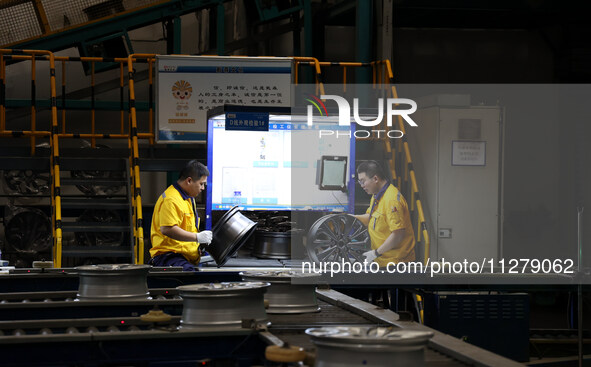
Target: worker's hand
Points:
(370, 255)
(204, 237)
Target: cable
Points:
(337, 199)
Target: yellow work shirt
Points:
(389, 214)
(174, 207)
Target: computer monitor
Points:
(276, 169)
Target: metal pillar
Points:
(308, 51)
(220, 24)
(177, 35)
(297, 42)
(173, 36)
(173, 46)
(387, 33)
(364, 39)
(307, 73)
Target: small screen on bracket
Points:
(333, 174)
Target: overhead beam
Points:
(71, 36)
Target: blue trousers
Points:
(172, 259)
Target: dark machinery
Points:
(28, 235)
(26, 182)
(100, 216)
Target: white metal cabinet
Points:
(461, 196)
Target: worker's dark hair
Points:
(193, 169)
(371, 168)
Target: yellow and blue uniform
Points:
(174, 207)
(388, 212)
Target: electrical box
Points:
(496, 322)
(457, 155)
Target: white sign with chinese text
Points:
(188, 86)
(468, 153)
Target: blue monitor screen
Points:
(276, 169)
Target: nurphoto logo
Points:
(345, 115)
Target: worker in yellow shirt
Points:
(175, 236)
(387, 218)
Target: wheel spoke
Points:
(361, 234)
(323, 255)
(328, 232)
(358, 257)
(337, 237)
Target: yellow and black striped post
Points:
(63, 96)
(134, 160)
(55, 170)
(122, 97)
(151, 99)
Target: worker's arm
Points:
(177, 233)
(393, 241)
(363, 218)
